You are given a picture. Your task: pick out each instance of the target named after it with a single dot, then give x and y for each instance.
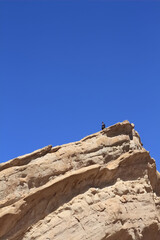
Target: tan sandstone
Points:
(103, 187)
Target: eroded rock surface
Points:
(104, 187)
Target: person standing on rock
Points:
(103, 125)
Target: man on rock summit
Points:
(103, 125)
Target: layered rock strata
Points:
(103, 187)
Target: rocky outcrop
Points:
(103, 187)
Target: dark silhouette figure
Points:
(103, 125)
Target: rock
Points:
(103, 187)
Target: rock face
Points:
(104, 187)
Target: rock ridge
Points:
(103, 187)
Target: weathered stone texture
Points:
(104, 187)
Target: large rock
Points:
(104, 187)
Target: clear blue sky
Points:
(66, 66)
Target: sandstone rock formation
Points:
(104, 187)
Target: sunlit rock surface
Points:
(103, 187)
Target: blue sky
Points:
(66, 66)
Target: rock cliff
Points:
(103, 187)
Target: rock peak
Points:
(103, 187)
